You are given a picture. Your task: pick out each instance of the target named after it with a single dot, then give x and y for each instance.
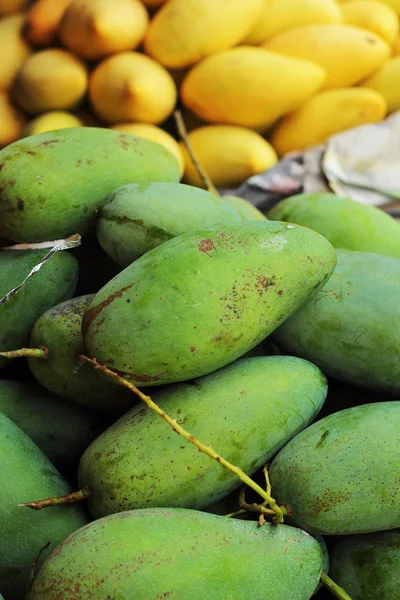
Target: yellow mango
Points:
(395, 4)
(228, 154)
(185, 31)
(13, 48)
(132, 87)
(386, 81)
(155, 134)
(93, 29)
(281, 15)
(249, 86)
(10, 7)
(51, 79)
(50, 121)
(396, 47)
(11, 121)
(43, 20)
(326, 114)
(374, 16)
(348, 54)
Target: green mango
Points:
(246, 412)
(62, 372)
(368, 566)
(54, 282)
(139, 217)
(246, 209)
(201, 300)
(60, 429)
(27, 475)
(177, 553)
(352, 320)
(340, 475)
(52, 183)
(345, 223)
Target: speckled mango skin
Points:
(26, 475)
(54, 282)
(368, 566)
(246, 412)
(341, 475)
(351, 328)
(158, 553)
(63, 373)
(201, 300)
(139, 217)
(345, 223)
(51, 183)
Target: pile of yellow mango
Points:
(255, 78)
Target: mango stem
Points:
(42, 353)
(180, 124)
(278, 518)
(71, 498)
(334, 588)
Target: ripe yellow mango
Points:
(348, 54)
(43, 20)
(228, 154)
(13, 48)
(11, 121)
(8, 7)
(185, 31)
(281, 15)
(249, 86)
(387, 82)
(326, 114)
(56, 119)
(395, 4)
(132, 87)
(374, 16)
(396, 47)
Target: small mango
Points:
(386, 81)
(374, 16)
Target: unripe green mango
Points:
(54, 282)
(353, 320)
(62, 372)
(201, 300)
(27, 475)
(246, 209)
(368, 566)
(60, 429)
(176, 553)
(340, 475)
(345, 223)
(139, 217)
(52, 183)
(246, 412)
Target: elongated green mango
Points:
(246, 411)
(52, 183)
(54, 282)
(27, 475)
(137, 218)
(368, 566)
(62, 372)
(201, 300)
(345, 223)
(176, 553)
(341, 475)
(351, 328)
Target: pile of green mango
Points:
(199, 401)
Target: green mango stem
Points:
(34, 565)
(71, 498)
(42, 353)
(334, 588)
(181, 127)
(277, 510)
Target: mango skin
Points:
(246, 412)
(139, 217)
(353, 319)
(54, 282)
(162, 553)
(340, 475)
(201, 300)
(59, 330)
(246, 209)
(26, 475)
(368, 566)
(51, 183)
(345, 223)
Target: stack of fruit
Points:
(242, 328)
(257, 78)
